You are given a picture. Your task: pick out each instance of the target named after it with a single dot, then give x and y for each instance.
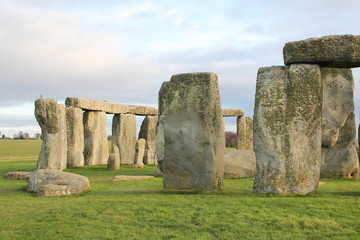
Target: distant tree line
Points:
(230, 138)
(25, 135)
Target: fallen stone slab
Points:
(17, 175)
(329, 51)
(239, 164)
(47, 183)
(125, 177)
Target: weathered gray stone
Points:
(75, 137)
(96, 149)
(244, 139)
(341, 160)
(51, 118)
(330, 51)
(46, 183)
(114, 159)
(158, 172)
(148, 132)
(139, 153)
(111, 108)
(233, 112)
(124, 136)
(339, 154)
(338, 103)
(287, 129)
(194, 133)
(126, 177)
(17, 175)
(239, 164)
(141, 110)
(160, 137)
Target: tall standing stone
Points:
(148, 132)
(75, 137)
(287, 129)
(194, 133)
(244, 139)
(96, 149)
(51, 118)
(339, 154)
(160, 137)
(139, 153)
(124, 136)
(114, 159)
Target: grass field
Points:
(141, 209)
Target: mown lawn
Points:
(141, 209)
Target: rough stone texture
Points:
(139, 153)
(341, 160)
(114, 159)
(244, 140)
(46, 183)
(96, 149)
(338, 103)
(17, 175)
(160, 137)
(239, 164)
(51, 118)
(125, 177)
(75, 137)
(339, 154)
(330, 51)
(194, 133)
(124, 136)
(233, 112)
(148, 132)
(287, 129)
(158, 172)
(111, 108)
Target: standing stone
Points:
(194, 133)
(339, 154)
(160, 137)
(124, 136)
(96, 149)
(75, 137)
(342, 159)
(244, 139)
(338, 103)
(51, 118)
(148, 132)
(287, 129)
(139, 153)
(114, 159)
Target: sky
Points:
(122, 51)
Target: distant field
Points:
(142, 209)
(19, 148)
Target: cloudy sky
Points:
(121, 51)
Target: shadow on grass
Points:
(350, 194)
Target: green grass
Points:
(141, 209)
